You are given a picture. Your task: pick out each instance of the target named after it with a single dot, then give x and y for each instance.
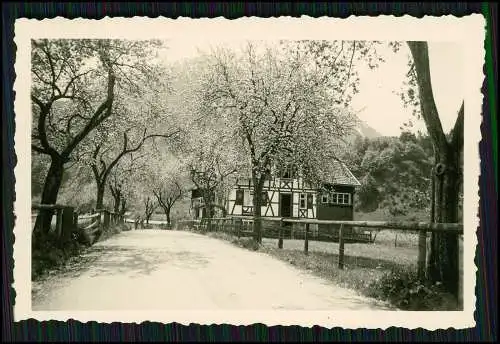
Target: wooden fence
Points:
(65, 222)
(343, 231)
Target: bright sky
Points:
(383, 110)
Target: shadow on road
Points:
(114, 260)
(111, 260)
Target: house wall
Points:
(328, 211)
(274, 188)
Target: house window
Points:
(346, 198)
(286, 172)
(309, 201)
(239, 197)
(303, 198)
(340, 198)
(325, 199)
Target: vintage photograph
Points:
(239, 173)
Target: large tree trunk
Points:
(50, 191)
(116, 202)
(258, 184)
(444, 248)
(123, 208)
(100, 195)
(166, 210)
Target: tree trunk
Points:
(100, 195)
(123, 207)
(117, 201)
(50, 191)
(444, 247)
(167, 214)
(258, 184)
(166, 211)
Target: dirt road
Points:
(168, 270)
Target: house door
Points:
(286, 205)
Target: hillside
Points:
(361, 130)
(366, 131)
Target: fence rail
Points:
(343, 231)
(88, 227)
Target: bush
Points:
(247, 243)
(405, 290)
(49, 253)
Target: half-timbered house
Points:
(286, 194)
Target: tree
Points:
(213, 162)
(394, 174)
(443, 257)
(73, 91)
(166, 179)
(283, 104)
(101, 168)
(121, 181)
(149, 207)
(167, 194)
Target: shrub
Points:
(403, 289)
(248, 243)
(49, 253)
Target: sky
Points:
(376, 102)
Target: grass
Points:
(377, 270)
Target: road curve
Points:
(173, 270)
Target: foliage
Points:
(404, 290)
(67, 88)
(278, 100)
(48, 255)
(78, 84)
(394, 173)
(167, 183)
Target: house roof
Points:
(342, 175)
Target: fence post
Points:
(239, 227)
(280, 239)
(306, 239)
(106, 219)
(59, 224)
(67, 223)
(341, 247)
(422, 246)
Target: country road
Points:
(172, 270)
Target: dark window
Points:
(264, 199)
(287, 172)
(239, 197)
(309, 201)
(303, 201)
(340, 198)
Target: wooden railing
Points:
(65, 222)
(341, 230)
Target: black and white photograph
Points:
(280, 171)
